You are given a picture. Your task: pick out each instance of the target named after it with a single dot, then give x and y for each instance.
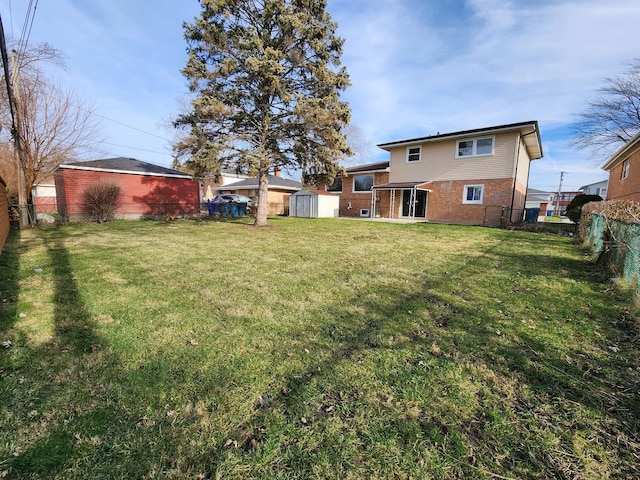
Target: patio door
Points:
(420, 203)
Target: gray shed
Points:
(314, 204)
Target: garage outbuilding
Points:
(314, 204)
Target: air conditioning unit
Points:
(364, 212)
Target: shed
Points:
(149, 191)
(314, 204)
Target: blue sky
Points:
(417, 67)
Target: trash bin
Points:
(234, 209)
(531, 215)
(242, 209)
(224, 209)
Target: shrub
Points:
(574, 209)
(101, 199)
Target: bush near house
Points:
(101, 199)
(574, 209)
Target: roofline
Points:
(234, 186)
(129, 172)
(463, 133)
(374, 167)
(624, 151)
(357, 172)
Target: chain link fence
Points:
(612, 230)
(503, 217)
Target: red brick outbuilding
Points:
(149, 191)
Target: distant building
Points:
(540, 199)
(598, 188)
(279, 191)
(562, 200)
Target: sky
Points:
(417, 67)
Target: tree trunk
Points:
(263, 200)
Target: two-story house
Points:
(471, 177)
(624, 172)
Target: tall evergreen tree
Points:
(266, 81)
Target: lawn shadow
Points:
(51, 379)
(9, 286)
(74, 327)
(466, 335)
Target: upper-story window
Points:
(625, 169)
(362, 183)
(474, 147)
(414, 154)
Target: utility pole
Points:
(557, 209)
(16, 128)
(23, 198)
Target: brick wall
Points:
(143, 195)
(445, 201)
(352, 202)
(628, 188)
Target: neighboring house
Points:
(598, 188)
(149, 190)
(472, 177)
(314, 204)
(44, 196)
(561, 201)
(280, 189)
(210, 182)
(624, 172)
(540, 199)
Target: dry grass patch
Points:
(314, 349)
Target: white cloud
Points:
(417, 66)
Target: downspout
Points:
(515, 176)
(515, 179)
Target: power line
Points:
(28, 25)
(91, 112)
(124, 124)
(135, 148)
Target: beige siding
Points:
(439, 162)
(522, 174)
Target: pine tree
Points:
(266, 80)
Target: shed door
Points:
(303, 204)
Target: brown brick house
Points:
(280, 189)
(469, 177)
(355, 196)
(624, 172)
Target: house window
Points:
(362, 183)
(473, 194)
(413, 154)
(625, 169)
(474, 147)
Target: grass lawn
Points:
(312, 349)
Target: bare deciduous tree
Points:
(56, 123)
(614, 117)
